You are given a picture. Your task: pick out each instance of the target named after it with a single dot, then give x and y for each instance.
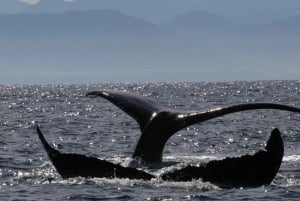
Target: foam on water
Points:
(292, 158)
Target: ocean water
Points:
(74, 123)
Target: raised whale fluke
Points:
(245, 171)
(76, 165)
(158, 123)
(140, 108)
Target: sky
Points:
(223, 58)
(30, 2)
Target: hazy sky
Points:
(31, 2)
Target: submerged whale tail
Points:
(76, 165)
(245, 171)
(159, 123)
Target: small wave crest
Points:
(291, 158)
(157, 182)
(286, 180)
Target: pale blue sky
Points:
(31, 2)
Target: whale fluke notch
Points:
(245, 171)
(76, 165)
(158, 123)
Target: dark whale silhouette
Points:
(159, 123)
(76, 165)
(245, 171)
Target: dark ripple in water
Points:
(95, 127)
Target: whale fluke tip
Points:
(95, 94)
(275, 143)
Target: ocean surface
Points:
(74, 123)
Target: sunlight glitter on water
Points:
(96, 127)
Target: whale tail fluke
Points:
(48, 148)
(158, 123)
(275, 143)
(70, 165)
(244, 171)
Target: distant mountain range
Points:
(77, 24)
(97, 23)
(158, 11)
(198, 44)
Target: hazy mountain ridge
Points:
(158, 11)
(111, 42)
(76, 23)
(111, 23)
(207, 28)
(198, 19)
